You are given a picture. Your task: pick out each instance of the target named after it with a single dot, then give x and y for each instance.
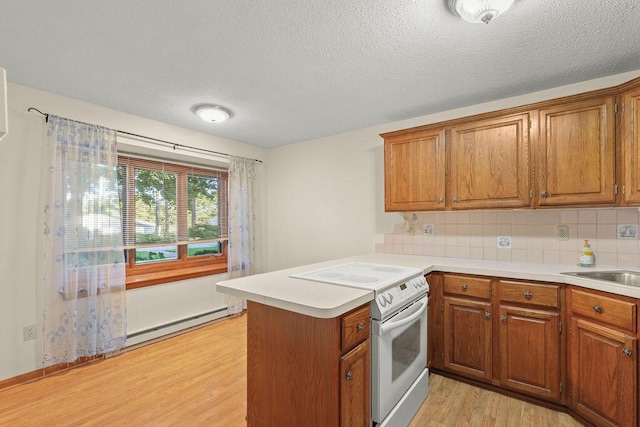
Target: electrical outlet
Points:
(428, 229)
(563, 232)
(29, 332)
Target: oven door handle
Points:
(391, 325)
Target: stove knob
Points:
(382, 301)
(388, 297)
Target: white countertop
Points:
(323, 300)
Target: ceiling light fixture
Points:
(479, 11)
(212, 113)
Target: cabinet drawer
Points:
(467, 286)
(355, 327)
(529, 293)
(615, 312)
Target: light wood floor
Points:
(199, 379)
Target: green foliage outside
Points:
(203, 232)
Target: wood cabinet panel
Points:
(468, 337)
(295, 367)
(576, 153)
(467, 286)
(355, 383)
(620, 312)
(489, 163)
(530, 351)
(356, 327)
(435, 319)
(530, 293)
(603, 374)
(630, 142)
(414, 172)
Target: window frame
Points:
(184, 267)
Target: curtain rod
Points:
(174, 145)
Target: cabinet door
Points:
(630, 136)
(355, 386)
(576, 154)
(490, 163)
(603, 374)
(414, 172)
(467, 337)
(530, 351)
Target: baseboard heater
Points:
(175, 326)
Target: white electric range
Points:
(399, 378)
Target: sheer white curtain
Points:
(242, 224)
(83, 267)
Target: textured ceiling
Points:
(300, 69)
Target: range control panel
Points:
(397, 297)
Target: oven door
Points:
(398, 357)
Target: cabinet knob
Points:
(441, 200)
(349, 376)
(503, 317)
(360, 326)
(454, 199)
(487, 315)
(597, 308)
(543, 194)
(528, 294)
(465, 286)
(627, 351)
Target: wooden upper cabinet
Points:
(414, 171)
(630, 138)
(576, 153)
(490, 163)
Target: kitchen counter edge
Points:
(326, 301)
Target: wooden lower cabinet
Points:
(588, 367)
(530, 351)
(503, 332)
(306, 371)
(603, 374)
(468, 337)
(355, 385)
(603, 359)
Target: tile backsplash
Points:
(520, 235)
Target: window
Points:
(174, 220)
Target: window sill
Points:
(147, 279)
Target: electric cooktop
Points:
(375, 277)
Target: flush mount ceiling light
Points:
(479, 11)
(212, 113)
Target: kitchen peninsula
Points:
(297, 351)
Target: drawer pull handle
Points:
(503, 317)
(360, 326)
(528, 294)
(487, 315)
(465, 286)
(627, 351)
(349, 376)
(597, 308)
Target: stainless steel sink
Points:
(622, 277)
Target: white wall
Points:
(326, 196)
(20, 155)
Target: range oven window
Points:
(405, 350)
